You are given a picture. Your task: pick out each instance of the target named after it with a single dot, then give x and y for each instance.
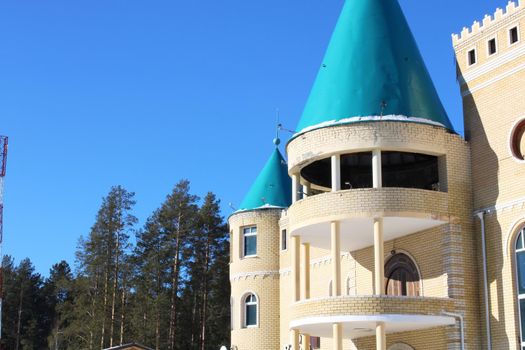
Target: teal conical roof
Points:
(372, 70)
(272, 188)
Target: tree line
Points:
(169, 290)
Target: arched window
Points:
(402, 276)
(250, 310)
(400, 346)
(520, 273)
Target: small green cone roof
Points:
(372, 70)
(272, 188)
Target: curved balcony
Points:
(404, 211)
(360, 314)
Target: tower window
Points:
(492, 46)
(250, 241)
(514, 35)
(284, 240)
(402, 276)
(520, 273)
(472, 57)
(250, 311)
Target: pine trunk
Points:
(122, 312)
(205, 296)
(115, 286)
(174, 288)
(19, 321)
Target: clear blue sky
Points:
(144, 93)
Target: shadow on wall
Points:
(485, 182)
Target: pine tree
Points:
(99, 258)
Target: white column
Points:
(296, 268)
(296, 187)
(305, 278)
(379, 257)
(380, 336)
(335, 244)
(306, 341)
(337, 336)
(307, 189)
(336, 173)
(294, 339)
(377, 173)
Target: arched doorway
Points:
(402, 276)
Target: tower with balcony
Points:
(381, 252)
(254, 265)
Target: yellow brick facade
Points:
(478, 175)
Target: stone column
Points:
(379, 283)
(305, 276)
(337, 336)
(379, 258)
(377, 173)
(380, 336)
(336, 173)
(296, 188)
(296, 268)
(306, 341)
(294, 339)
(335, 244)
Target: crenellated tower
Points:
(491, 73)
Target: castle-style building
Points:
(386, 229)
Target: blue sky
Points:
(144, 93)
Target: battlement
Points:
(487, 22)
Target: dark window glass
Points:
(492, 46)
(514, 35)
(284, 242)
(471, 57)
(519, 241)
(521, 272)
(251, 310)
(250, 241)
(315, 342)
(522, 314)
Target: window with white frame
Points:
(250, 311)
(250, 241)
(520, 274)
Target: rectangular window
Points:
(250, 241)
(492, 46)
(514, 35)
(472, 57)
(315, 342)
(284, 241)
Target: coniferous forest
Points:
(168, 290)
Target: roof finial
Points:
(277, 140)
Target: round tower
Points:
(381, 241)
(254, 264)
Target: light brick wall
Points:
(259, 275)
(494, 99)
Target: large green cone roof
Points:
(372, 70)
(272, 188)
